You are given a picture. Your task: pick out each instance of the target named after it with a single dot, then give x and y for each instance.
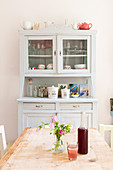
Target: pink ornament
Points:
(55, 118)
(37, 129)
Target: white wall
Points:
(13, 12)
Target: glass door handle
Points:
(54, 52)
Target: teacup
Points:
(74, 26)
(27, 25)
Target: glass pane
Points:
(40, 54)
(74, 54)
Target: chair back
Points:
(103, 128)
(3, 145)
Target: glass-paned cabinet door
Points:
(41, 54)
(74, 54)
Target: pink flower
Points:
(61, 132)
(63, 123)
(37, 129)
(51, 125)
(72, 129)
(55, 118)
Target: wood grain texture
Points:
(12, 148)
(32, 150)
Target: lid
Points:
(30, 79)
(53, 87)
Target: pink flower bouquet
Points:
(58, 130)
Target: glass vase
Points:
(58, 146)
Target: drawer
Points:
(76, 106)
(39, 106)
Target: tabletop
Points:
(32, 150)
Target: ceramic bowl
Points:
(80, 66)
(74, 96)
(50, 66)
(67, 67)
(41, 66)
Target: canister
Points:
(65, 93)
(53, 92)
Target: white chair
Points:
(3, 145)
(103, 128)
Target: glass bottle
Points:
(35, 91)
(29, 88)
(45, 91)
(39, 91)
(83, 136)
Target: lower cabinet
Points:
(31, 114)
(75, 119)
(34, 120)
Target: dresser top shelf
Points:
(79, 99)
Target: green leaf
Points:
(61, 142)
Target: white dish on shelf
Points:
(67, 67)
(41, 66)
(80, 66)
(75, 96)
(50, 66)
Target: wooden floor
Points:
(32, 150)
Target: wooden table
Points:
(32, 150)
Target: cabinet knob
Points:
(38, 106)
(60, 53)
(76, 106)
(54, 52)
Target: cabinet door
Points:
(74, 54)
(40, 54)
(75, 119)
(34, 120)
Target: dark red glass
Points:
(82, 140)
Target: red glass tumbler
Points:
(72, 151)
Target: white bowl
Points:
(74, 96)
(41, 66)
(80, 66)
(67, 67)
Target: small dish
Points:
(41, 66)
(75, 96)
(80, 66)
(67, 67)
(50, 66)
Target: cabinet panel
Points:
(40, 54)
(34, 120)
(74, 119)
(74, 54)
(39, 106)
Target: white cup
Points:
(74, 26)
(65, 93)
(27, 25)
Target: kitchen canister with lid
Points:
(65, 93)
(53, 92)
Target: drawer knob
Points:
(76, 106)
(38, 106)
